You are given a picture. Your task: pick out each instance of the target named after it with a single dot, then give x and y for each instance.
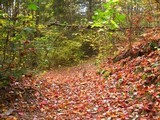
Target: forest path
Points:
(71, 74)
(121, 92)
(72, 93)
(127, 89)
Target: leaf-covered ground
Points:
(124, 88)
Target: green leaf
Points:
(28, 30)
(114, 24)
(144, 76)
(97, 25)
(120, 17)
(32, 6)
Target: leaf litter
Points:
(126, 89)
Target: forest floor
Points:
(123, 88)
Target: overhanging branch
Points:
(90, 27)
(80, 26)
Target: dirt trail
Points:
(63, 75)
(61, 94)
(129, 91)
(71, 93)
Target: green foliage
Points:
(51, 52)
(110, 16)
(16, 49)
(32, 6)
